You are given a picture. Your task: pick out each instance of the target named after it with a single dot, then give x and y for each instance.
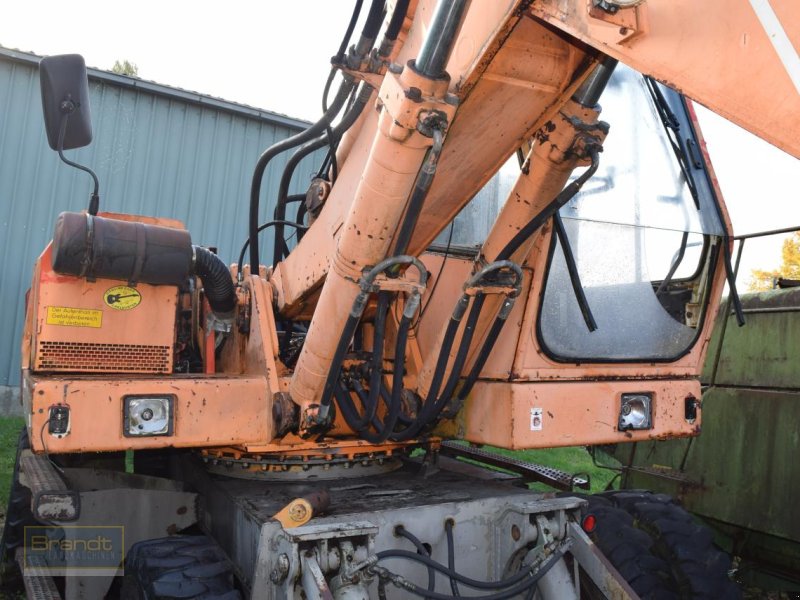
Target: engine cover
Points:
(101, 326)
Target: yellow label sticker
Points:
(74, 317)
(122, 297)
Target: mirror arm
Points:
(67, 108)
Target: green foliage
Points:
(125, 68)
(9, 432)
(790, 266)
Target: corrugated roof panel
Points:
(156, 151)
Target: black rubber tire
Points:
(660, 549)
(18, 516)
(178, 567)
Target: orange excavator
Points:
(296, 424)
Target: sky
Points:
(275, 55)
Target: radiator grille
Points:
(117, 358)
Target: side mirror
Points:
(65, 101)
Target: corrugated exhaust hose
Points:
(217, 282)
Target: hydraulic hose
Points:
(548, 211)
(522, 581)
(350, 117)
(451, 556)
(421, 549)
(372, 26)
(396, 22)
(419, 193)
(572, 270)
(287, 144)
(262, 227)
(217, 282)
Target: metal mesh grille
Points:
(119, 358)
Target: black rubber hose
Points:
(572, 270)
(451, 556)
(395, 403)
(548, 211)
(261, 228)
(374, 19)
(279, 214)
(386, 396)
(438, 374)
(396, 22)
(217, 281)
(421, 187)
(286, 144)
(480, 360)
(421, 550)
(461, 355)
(376, 366)
(350, 413)
(514, 585)
(348, 32)
(332, 380)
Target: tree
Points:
(789, 269)
(125, 68)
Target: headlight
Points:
(147, 415)
(635, 412)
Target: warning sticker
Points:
(536, 419)
(122, 297)
(74, 317)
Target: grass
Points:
(9, 432)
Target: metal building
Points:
(157, 150)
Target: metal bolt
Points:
(395, 68)
(281, 570)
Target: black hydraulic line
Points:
(330, 135)
(548, 211)
(376, 366)
(461, 355)
(350, 412)
(287, 144)
(572, 270)
(396, 22)
(395, 403)
(486, 349)
(421, 550)
(347, 35)
(299, 218)
(675, 263)
(372, 25)
(421, 187)
(261, 228)
(510, 586)
(386, 396)
(451, 556)
(360, 302)
(438, 373)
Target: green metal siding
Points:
(157, 151)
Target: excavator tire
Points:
(659, 548)
(18, 515)
(178, 567)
